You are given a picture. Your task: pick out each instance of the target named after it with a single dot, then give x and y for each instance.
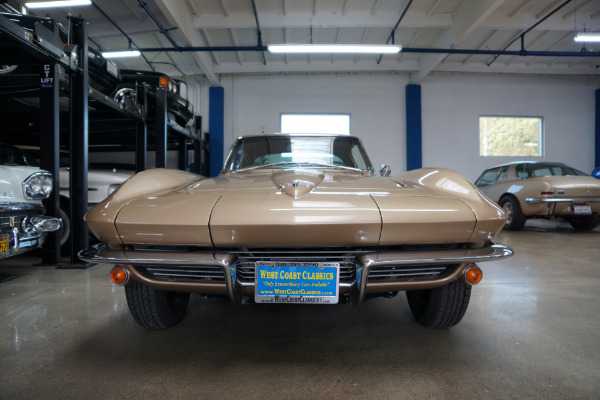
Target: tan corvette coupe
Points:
(296, 219)
(548, 190)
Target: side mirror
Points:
(385, 170)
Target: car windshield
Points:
(546, 169)
(254, 152)
(10, 155)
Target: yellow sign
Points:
(3, 244)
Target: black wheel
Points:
(441, 307)
(155, 309)
(584, 224)
(515, 218)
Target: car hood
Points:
(295, 207)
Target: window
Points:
(277, 151)
(546, 169)
(488, 177)
(510, 136)
(316, 123)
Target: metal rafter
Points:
(522, 35)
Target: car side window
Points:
(488, 177)
(521, 172)
(502, 174)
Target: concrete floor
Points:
(531, 332)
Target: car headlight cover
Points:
(38, 186)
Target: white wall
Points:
(451, 106)
(375, 104)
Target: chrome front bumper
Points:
(20, 241)
(135, 261)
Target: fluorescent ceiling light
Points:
(62, 3)
(587, 37)
(121, 54)
(334, 48)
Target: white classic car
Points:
(23, 226)
(101, 183)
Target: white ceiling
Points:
(440, 24)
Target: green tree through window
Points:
(510, 136)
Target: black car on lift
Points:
(179, 109)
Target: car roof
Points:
(526, 162)
(328, 135)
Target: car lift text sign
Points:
(297, 282)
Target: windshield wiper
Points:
(336, 166)
(264, 166)
(300, 164)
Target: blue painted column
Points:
(414, 148)
(216, 121)
(597, 128)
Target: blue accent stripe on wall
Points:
(597, 128)
(216, 121)
(414, 148)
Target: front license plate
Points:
(3, 244)
(581, 209)
(297, 282)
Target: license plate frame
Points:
(297, 282)
(4, 244)
(582, 209)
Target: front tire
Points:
(155, 309)
(441, 307)
(515, 218)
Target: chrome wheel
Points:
(6, 69)
(124, 93)
(515, 220)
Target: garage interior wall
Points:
(451, 106)
(376, 104)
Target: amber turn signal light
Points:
(164, 81)
(473, 275)
(119, 275)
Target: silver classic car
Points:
(543, 190)
(296, 219)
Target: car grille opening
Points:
(246, 260)
(185, 273)
(404, 273)
(14, 218)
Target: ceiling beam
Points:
(315, 66)
(467, 16)
(191, 5)
(182, 18)
(414, 19)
